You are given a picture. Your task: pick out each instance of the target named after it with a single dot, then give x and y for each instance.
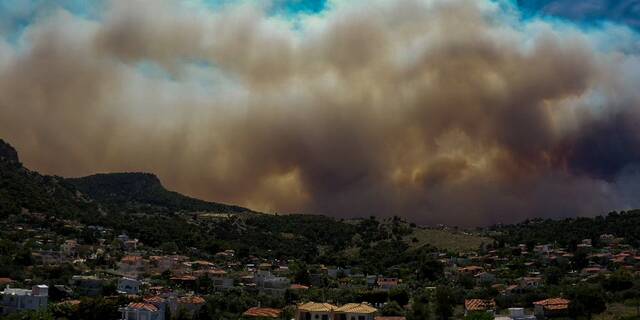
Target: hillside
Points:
(446, 240)
(132, 192)
(571, 231)
(21, 189)
(139, 205)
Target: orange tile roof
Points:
(553, 304)
(361, 308)
(191, 300)
(262, 312)
(155, 300)
(296, 286)
(131, 259)
(479, 304)
(316, 307)
(143, 306)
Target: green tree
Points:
(478, 316)
(30, 315)
(445, 302)
(392, 309)
(420, 307)
(587, 300)
(619, 281)
(399, 295)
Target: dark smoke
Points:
(442, 111)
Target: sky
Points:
(441, 111)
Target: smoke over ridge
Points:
(442, 111)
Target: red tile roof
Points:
(553, 303)
(262, 312)
(143, 306)
(155, 300)
(479, 304)
(298, 287)
(191, 300)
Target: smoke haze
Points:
(457, 111)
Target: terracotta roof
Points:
(296, 286)
(316, 307)
(155, 300)
(191, 300)
(553, 303)
(131, 259)
(4, 281)
(357, 308)
(70, 302)
(479, 304)
(143, 306)
(262, 312)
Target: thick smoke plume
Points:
(450, 111)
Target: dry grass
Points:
(446, 240)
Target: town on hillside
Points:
(56, 268)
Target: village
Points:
(523, 281)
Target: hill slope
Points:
(21, 188)
(142, 192)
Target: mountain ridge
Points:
(21, 188)
(143, 190)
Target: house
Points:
(191, 304)
(141, 311)
(128, 286)
(131, 265)
(338, 272)
(257, 312)
(158, 302)
(219, 279)
(479, 305)
(47, 257)
(355, 311)
(471, 270)
(516, 314)
(69, 248)
(485, 277)
(389, 318)
(269, 284)
(14, 300)
(5, 282)
(551, 307)
(530, 282)
(387, 284)
(315, 311)
(87, 285)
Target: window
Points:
(325, 317)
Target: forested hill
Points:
(143, 192)
(625, 224)
(21, 189)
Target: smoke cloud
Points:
(455, 111)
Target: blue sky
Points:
(17, 14)
(587, 11)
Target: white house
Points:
(267, 283)
(353, 311)
(128, 286)
(141, 311)
(315, 311)
(516, 314)
(24, 299)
